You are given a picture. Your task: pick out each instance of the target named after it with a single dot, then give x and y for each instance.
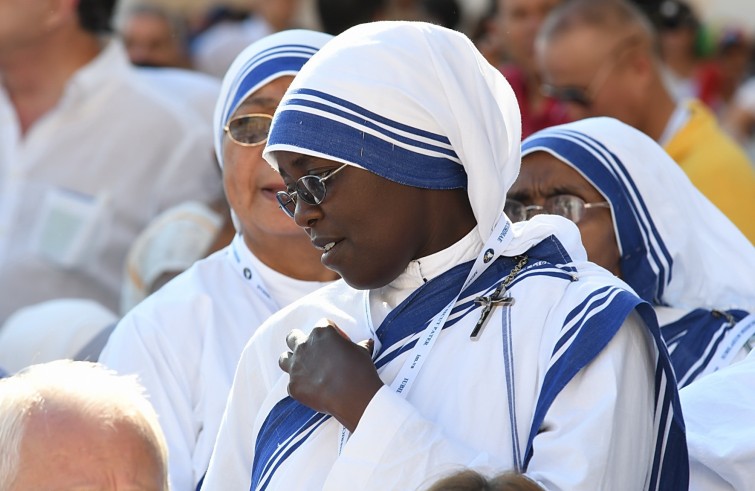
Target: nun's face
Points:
(543, 176)
(250, 183)
(369, 228)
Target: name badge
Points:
(66, 226)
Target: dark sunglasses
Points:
(311, 189)
(249, 130)
(565, 205)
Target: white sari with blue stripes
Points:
(571, 385)
(678, 251)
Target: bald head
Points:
(599, 58)
(71, 425)
(612, 18)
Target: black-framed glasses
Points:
(311, 189)
(565, 205)
(585, 96)
(249, 130)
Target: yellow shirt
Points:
(717, 166)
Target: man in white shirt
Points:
(89, 153)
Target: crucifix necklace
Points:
(499, 298)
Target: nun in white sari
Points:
(567, 380)
(675, 248)
(185, 339)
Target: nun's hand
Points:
(330, 373)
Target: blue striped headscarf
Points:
(280, 54)
(412, 102)
(677, 248)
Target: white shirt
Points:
(184, 342)
(88, 176)
(198, 90)
(457, 413)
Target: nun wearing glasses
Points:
(642, 219)
(184, 340)
(455, 338)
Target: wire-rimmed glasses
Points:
(565, 205)
(311, 189)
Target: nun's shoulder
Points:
(336, 301)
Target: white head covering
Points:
(676, 247)
(412, 102)
(271, 57)
(50, 330)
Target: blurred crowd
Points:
(131, 137)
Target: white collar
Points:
(277, 289)
(419, 271)
(676, 122)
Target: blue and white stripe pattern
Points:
(586, 331)
(677, 249)
(645, 261)
(366, 139)
(693, 340)
(411, 102)
(280, 54)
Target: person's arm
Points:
(597, 434)
(137, 346)
(231, 461)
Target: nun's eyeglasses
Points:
(249, 130)
(311, 189)
(565, 205)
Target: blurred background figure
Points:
(515, 26)
(682, 44)
(446, 13)
(155, 37)
(700, 61)
(214, 49)
(740, 116)
(727, 69)
(599, 58)
(52, 330)
(335, 16)
(76, 425)
(90, 152)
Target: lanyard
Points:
(743, 333)
(494, 247)
(245, 267)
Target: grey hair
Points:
(614, 16)
(91, 389)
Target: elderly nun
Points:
(184, 341)
(454, 338)
(678, 252)
(655, 230)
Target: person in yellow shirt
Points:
(598, 57)
(716, 165)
